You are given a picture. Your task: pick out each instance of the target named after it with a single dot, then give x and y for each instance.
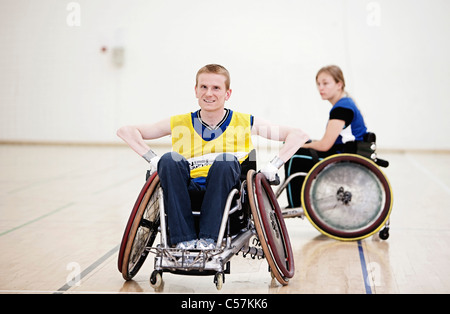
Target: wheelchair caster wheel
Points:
(156, 279)
(219, 279)
(384, 234)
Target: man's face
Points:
(211, 91)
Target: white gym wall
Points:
(58, 85)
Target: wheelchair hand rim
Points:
(131, 220)
(284, 264)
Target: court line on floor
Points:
(87, 270)
(37, 219)
(364, 268)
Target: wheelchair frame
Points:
(203, 262)
(366, 155)
(143, 230)
(265, 223)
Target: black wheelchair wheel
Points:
(347, 197)
(270, 227)
(141, 229)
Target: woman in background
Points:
(344, 128)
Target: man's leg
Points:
(174, 174)
(222, 177)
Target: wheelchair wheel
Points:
(141, 229)
(347, 197)
(270, 227)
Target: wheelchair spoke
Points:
(345, 210)
(269, 224)
(142, 230)
(147, 223)
(346, 196)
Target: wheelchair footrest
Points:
(187, 260)
(175, 260)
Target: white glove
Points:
(271, 169)
(154, 164)
(152, 159)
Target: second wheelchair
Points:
(346, 196)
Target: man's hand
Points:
(270, 170)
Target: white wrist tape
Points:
(277, 162)
(149, 155)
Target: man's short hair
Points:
(216, 69)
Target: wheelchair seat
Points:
(238, 220)
(367, 148)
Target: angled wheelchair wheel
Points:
(347, 197)
(141, 229)
(270, 227)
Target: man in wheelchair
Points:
(208, 148)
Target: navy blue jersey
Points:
(356, 129)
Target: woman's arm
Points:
(334, 128)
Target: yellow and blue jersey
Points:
(201, 144)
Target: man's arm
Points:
(135, 135)
(293, 138)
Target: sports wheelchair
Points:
(346, 196)
(251, 212)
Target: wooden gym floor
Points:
(63, 210)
